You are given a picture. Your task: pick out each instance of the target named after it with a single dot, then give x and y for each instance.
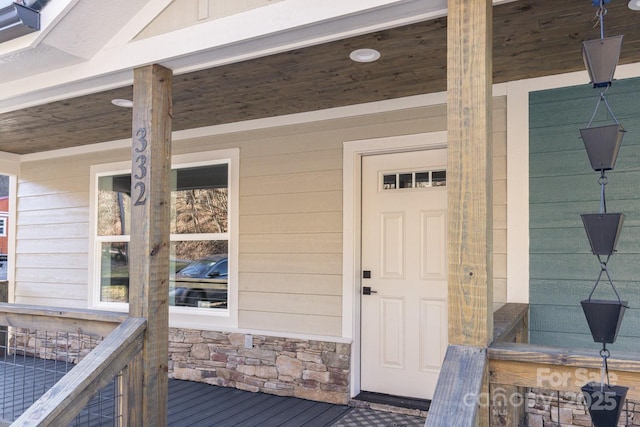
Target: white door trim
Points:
(351, 161)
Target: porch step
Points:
(389, 403)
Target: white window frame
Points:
(3, 226)
(182, 317)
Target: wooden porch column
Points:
(469, 178)
(469, 174)
(149, 247)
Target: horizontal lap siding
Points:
(290, 263)
(499, 201)
(291, 234)
(291, 218)
(563, 186)
(52, 231)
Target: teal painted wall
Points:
(563, 186)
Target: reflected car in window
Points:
(203, 283)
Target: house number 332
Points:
(141, 167)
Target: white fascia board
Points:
(259, 32)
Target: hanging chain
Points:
(600, 13)
(604, 371)
(603, 270)
(603, 97)
(603, 201)
(558, 407)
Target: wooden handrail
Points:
(455, 401)
(585, 358)
(64, 401)
(513, 364)
(458, 391)
(561, 369)
(87, 322)
(510, 323)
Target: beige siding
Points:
(49, 234)
(306, 243)
(314, 305)
(53, 186)
(71, 292)
(500, 201)
(53, 201)
(292, 199)
(291, 323)
(49, 216)
(316, 222)
(300, 202)
(290, 265)
(291, 283)
(305, 182)
(52, 231)
(61, 276)
(292, 163)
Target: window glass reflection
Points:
(114, 272)
(114, 213)
(200, 200)
(198, 263)
(200, 278)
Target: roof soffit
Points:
(532, 38)
(71, 33)
(212, 43)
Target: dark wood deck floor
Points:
(25, 379)
(197, 404)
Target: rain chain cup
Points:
(602, 144)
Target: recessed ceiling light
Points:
(634, 5)
(126, 103)
(364, 55)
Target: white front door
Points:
(404, 263)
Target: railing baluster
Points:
(43, 345)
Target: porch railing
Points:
(518, 372)
(460, 385)
(122, 342)
(559, 372)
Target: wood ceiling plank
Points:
(531, 38)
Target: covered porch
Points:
(296, 272)
(39, 363)
(191, 403)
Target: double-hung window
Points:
(203, 238)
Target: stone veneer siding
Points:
(544, 409)
(309, 369)
(62, 346)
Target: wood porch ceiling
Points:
(532, 38)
